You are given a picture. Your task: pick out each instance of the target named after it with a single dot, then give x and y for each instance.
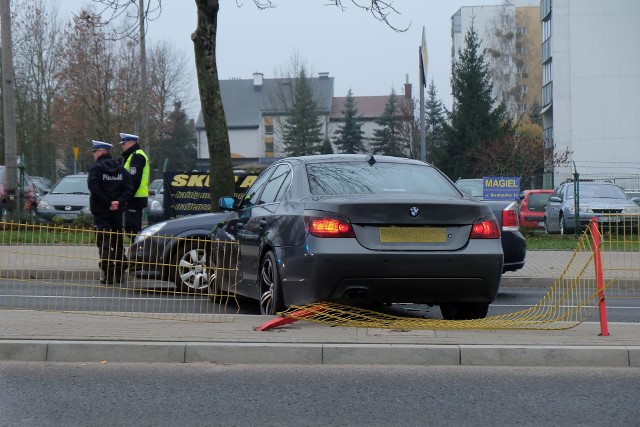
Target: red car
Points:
(28, 193)
(532, 203)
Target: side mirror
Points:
(555, 199)
(227, 203)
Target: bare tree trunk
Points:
(204, 42)
(8, 98)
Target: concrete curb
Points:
(318, 354)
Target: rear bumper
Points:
(341, 270)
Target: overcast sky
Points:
(360, 52)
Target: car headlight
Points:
(631, 210)
(583, 209)
(149, 231)
(155, 205)
(43, 204)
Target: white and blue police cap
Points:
(124, 137)
(99, 144)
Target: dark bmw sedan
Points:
(363, 229)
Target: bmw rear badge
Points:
(414, 211)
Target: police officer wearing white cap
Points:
(136, 162)
(110, 186)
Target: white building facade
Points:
(591, 89)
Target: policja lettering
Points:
(107, 177)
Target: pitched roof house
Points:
(254, 106)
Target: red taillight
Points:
(487, 229)
(329, 227)
(510, 218)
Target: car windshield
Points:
(605, 191)
(71, 185)
(380, 178)
(538, 200)
(473, 187)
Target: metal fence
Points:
(57, 268)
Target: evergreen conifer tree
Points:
(302, 128)
(535, 115)
(475, 122)
(349, 137)
(326, 147)
(434, 124)
(388, 139)
(177, 143)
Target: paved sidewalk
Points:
(75, 337)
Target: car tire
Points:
(464, 310)
(563, 227)
(191, 273)
(271, 300)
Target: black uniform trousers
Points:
(109, 239)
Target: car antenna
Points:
(370, 159)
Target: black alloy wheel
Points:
(271, 301)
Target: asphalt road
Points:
(158, 297)
(198, 394)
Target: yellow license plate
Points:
(412, 235)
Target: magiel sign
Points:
(501, 188)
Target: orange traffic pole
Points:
(303, 313)
(597, 260)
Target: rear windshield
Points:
(538, 200)
(380, 178)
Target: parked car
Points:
(155, 185)
(362, 229)
(514, 245)
(596, 199)
(174, 250)
(532, 204)
(28, 194)
(155, 206)
(67, 200)
(43, 184)
(633, 194)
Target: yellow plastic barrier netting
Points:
(570, 301)
(56, 268)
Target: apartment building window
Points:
(521, 30)
(268, 146)
(546, 72)
(268, 125)
(522, 68)
(523, 89)
(546, 29)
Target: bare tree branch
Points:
(379, 9)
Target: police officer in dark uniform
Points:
(136, 162)
(110, 186)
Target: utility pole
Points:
(8, 99)
(423, 62)
(143, 77)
